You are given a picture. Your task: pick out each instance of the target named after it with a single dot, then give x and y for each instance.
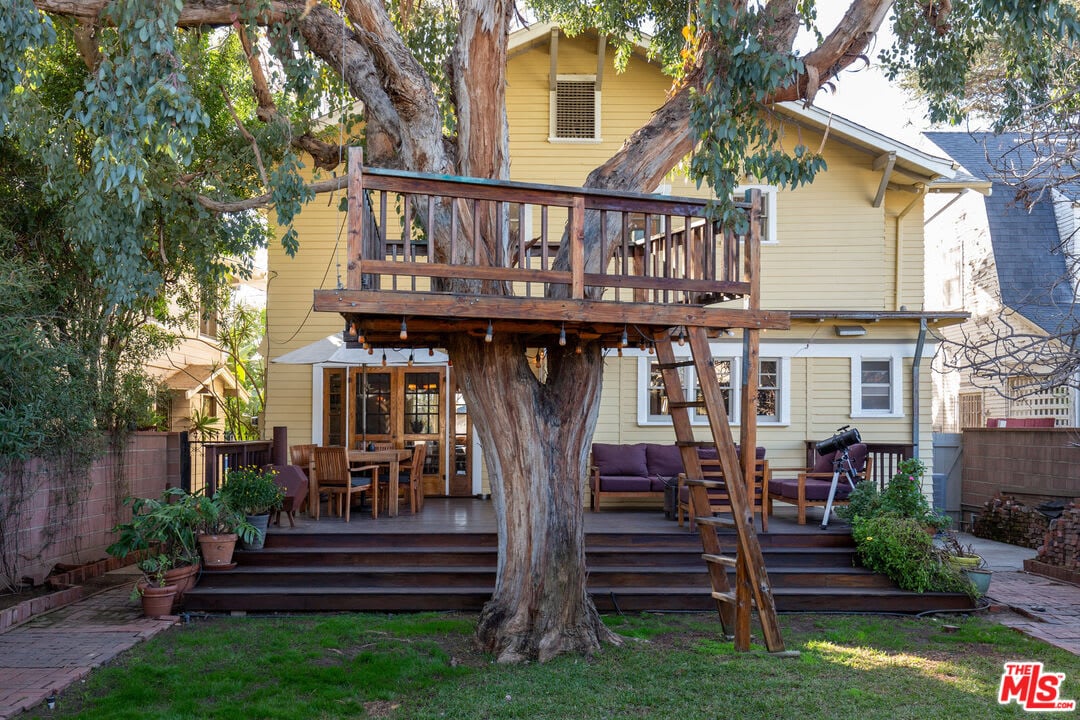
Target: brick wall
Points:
(1031, 464)
(51, 532)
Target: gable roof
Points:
(1032, 269)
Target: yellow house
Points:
(845, 256)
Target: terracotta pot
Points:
(217, 550)
(184, 578)
(157, 601)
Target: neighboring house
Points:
(844, 255)
(1011, 268)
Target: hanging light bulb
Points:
(384, 358)
(623, 341)
(620, 351)
(577, 350)
(682, 337)
(652, 348)
(562, 335)
(490, 332)
(410, 358)
(404, 334)
(370, 350)
(431, 352)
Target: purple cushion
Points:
(708, 453)
(620, 459)
(663, 460)
(625, 483)
(656, 483)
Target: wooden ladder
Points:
(752, 585)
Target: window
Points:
(875, 387)
(768, 403)
(658, 410)
(208, 325)
(769, 192)
(722, 368)
(652, 401)
(575, 109)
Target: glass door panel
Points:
(372, 403)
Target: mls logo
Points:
(1032, 689)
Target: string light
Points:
(682, 337)
(404, 334)
(562, 335)
(623, 341)
(490, 332)
(577, 350)
(652, 348)
(384, 358)
(410, 358)
(431, 352)
(370, 350)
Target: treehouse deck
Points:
(433, 256)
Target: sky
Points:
(862, 94)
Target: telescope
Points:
(844, 438)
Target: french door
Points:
(398, 405)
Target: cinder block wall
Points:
(1032, 464)
(56, 530)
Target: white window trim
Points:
(718, 353)
(896, 395)
(596, 139)
(770, 193)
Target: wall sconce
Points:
(849, 330)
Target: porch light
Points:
(562, 335)
(849, 330)
(490, 332)
(404, 334)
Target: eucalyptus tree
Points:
(430, 77)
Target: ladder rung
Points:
(710, 484)
(695, 443)
(725, 560)
(687, 404)
(715, 522)
(728, 597)
(675, 365)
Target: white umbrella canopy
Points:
(332, 349)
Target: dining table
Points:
(390, 458)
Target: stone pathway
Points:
(1046, 609)
(50, 652)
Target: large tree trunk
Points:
(535, 437)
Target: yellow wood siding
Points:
(834, 251)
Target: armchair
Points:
(810, 486)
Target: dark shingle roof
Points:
(1031, 266)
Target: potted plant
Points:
(964, 559)
(219, 526)
(153, 589)
(254, 492)
(166, 526)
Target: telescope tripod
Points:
(841, 465)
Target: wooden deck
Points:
(431, 255)
(444, 559)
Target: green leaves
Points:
(22, 27)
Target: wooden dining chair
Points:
(411, 479)
(335, 477)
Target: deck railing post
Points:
(357, 209)
(577, 249)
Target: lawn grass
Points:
(671, 666)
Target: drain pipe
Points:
(916, 364)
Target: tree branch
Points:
(246, 135)
(266, 200)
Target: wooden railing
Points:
(887, 457)
(665, 250)
(220, 457)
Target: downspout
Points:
(916, 364)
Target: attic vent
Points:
(575, 110)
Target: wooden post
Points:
(577, 248)
(357, 209)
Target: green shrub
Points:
(901, 548)
(252, 491)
